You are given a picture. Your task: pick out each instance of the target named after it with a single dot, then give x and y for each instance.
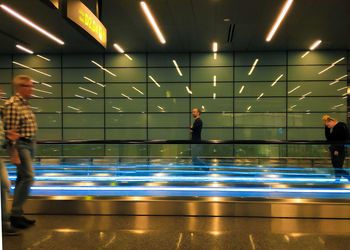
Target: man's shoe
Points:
(10, 231)
(18, 222)
(28, 221)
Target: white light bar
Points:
(214, 80)
(46, 84)
(336, 106)
(73, 108)
(155, 82)
(35, 70)
(90, 80)
(215, 47)
(30, 23)
(116, 108)
(308, 93)
(36, 96)
(82, 97)
(120, 50)
(342, 88)
(24, 49)
(127, 56)
(214, 95)
(261, 95)
(338, 79)
(294, 89)
(341, 59)
(177, 68)
(293, 106)
(88, 90)
(279, 20)
(241, 90)
(278, 78)
(305, 54)
(43, 91)
(152, 22)
(188, 90)
(249, 108)
(253, 66)
(100, 66)
(43, 57)
(126, 96)
(315, 44)
(322, 71)
(138, 90)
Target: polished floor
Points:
(175, 232)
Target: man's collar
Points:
(21, 98)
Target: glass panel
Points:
(126, 75)
(264, 104)
(50, 75)
(126, 120)
(256, 88)
(125, 105)
(168, 75)
(166, 60)
(265, 58)
(260, 134)
(129, 89)
(316, 104)
(213, 105)
(217, 134)
(260, 120)
(83, 120)
(168, 105)
(35, 61)
(208, 89)
(207, 74)
(83, 134)
(312, 73)
(168, 90)
(317, 88)
(81, 60)
(260, 73)
(208, 59)
(169, 134)
(316, 57)
(126, 134)
(311, 119)
(168, 120)
(117, 60)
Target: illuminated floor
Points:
(177, 232)
(164, 178)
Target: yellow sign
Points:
(81, 15)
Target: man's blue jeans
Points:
(25, 176)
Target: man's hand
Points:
(336, 153)
(12, 135)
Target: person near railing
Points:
(196, 134)
(336, 131)
(20, 127)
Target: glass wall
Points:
(242, 95)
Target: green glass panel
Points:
(168, 75)
(260, 134)
(311, 120)
(207, 74)
(46, 105)
(260, 120)
(83, 134)
(125, 105)
(126, 150)
(260, 150)
(169, 150)
(320, 88)
(129, 89)
(83, 105)
(49, 134)
(316, 104)
(168, 90)
(46, 91)
(35, 61)
(82, 89)
(5, 75)
(305, 134)
(207, 89)
(213, 105)
(5, 61)
(217, 134)
(256, 88)
(126, 134)
(168, 134)
(217, 120)
(77, 75)
(316, 57)
(168, 120)
(126, 75)
(48, 150)
(118, 60)
(83, 120)
(81, 60)
(168, 105)
(312, 73)
(49, 120)
(126, 120)
(208, 59)
(50, 75)
(90, 150)
(265, 58)
(166, 60)
(308, 151)
(224, 150)
(264, 104)
(260, 73)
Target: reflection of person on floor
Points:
(336, 132)
(196, 130)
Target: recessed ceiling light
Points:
(279, 20)
(118, 48)
(227, 19)
(153, 22)
(315, 44)
(30, 23)
(215, 47)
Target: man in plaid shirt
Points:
(20, 126)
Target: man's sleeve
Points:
(327, 132)
(11, 116)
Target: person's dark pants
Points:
(337, 162)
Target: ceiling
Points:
(188, 25)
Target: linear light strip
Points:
(31, 24)
(214, 80)
(43, 57)
(241, 90)
(155, 82)
(253, 67)
(305, 54)
(188, 90)
(294, 89)
(73, 108)
(315, 45)
(215, 189)
(128, 97)
(88, 90)
(35, 70)
(153, 22)
(43, 91)
(177, 68)
(279, 20)
(273, 84)
(24, 49)
(100, 66)
(215, 47)
(127, 56)
(261, 95)
(138, 90)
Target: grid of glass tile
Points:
(242, 95)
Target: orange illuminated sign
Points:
(81, 15)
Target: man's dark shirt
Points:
(197, 129)
(339, 134)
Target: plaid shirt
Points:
(17, 115)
